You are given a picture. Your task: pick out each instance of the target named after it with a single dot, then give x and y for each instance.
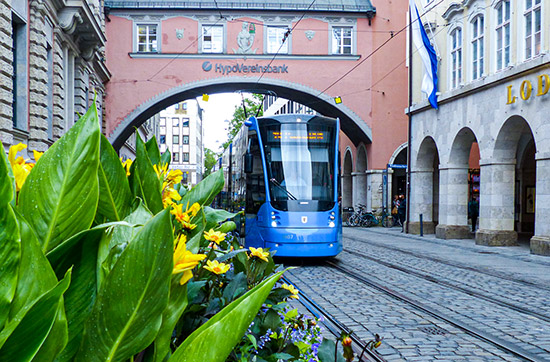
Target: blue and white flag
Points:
(427, 53)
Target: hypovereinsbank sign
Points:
(207, 66)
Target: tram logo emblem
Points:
(207, 66)
(304, 219)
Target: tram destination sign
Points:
(208, 66)
(394, 165)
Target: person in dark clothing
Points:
(473, 212)
(401, 210)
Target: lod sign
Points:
(526, 89)
(242, 68)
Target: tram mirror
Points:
(248, 162)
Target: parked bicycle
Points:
(364, 218)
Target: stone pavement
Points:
(456, 278)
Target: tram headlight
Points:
(331, 224)
(274, 223)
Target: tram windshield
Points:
(300, 163)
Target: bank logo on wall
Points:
(242, 68)
(207, 66)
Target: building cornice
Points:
(452, 10)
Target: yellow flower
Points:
(37, 155)
(174, 176)
(194, 210)
(291, 289)
(215, 236)
(183, 218)
(169, 195)
(184, 260)
(259, 253)
(20, 167)
(217, 267)
(126, 164)
(161, 171)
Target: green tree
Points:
(252, 105)
(210, 159)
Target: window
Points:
(162, 139)
(503, 34)
(477, 47)
(276, 41)
(176, 139)
(185, 156)
(185, 122)
(175, 122)
(456, 58)
(532, 16)
(341, 40)
(19, 74)
(212, 39)
(184, 106)
(163, 121)
(147, 38)
(176, 156)
(185, 140)
(177, 106)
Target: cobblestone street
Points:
(452, 300)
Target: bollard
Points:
(421, 226)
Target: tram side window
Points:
(255, 185)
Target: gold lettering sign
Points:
(526, 89)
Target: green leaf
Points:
(176, 306)
(150, 184)
(216, 216)
(22, 338)
(81, 295)
(205, 191)
(115, 197)
(59, 197)
(326, 351)
(215, 339)
(36, 275)
(10, 242)
(121, 327)
(166, 158)
(153, 151)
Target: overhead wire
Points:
(377, 49)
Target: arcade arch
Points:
(455, 186)
(508, 186)
(347, 185)
(425, 177)
(360, 179)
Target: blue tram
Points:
(286, 177)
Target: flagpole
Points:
(409, 137)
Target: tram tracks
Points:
(508, 347)
(451, 285)
(335, 327)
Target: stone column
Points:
(453, 203)
(376, 188)
(347, 191)
(540, 243)
(359, 180)
(421, 201)
(496, 206)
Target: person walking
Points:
(401, 211)
(395, 206)
(473, 212)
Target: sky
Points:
(219, 108)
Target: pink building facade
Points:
(160, 53)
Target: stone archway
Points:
(360, 178)
(453, 193)
(347, 184)
(506, 177)
(351, 124)
(425, 199)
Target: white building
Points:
(489, 137)
(181, 132)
